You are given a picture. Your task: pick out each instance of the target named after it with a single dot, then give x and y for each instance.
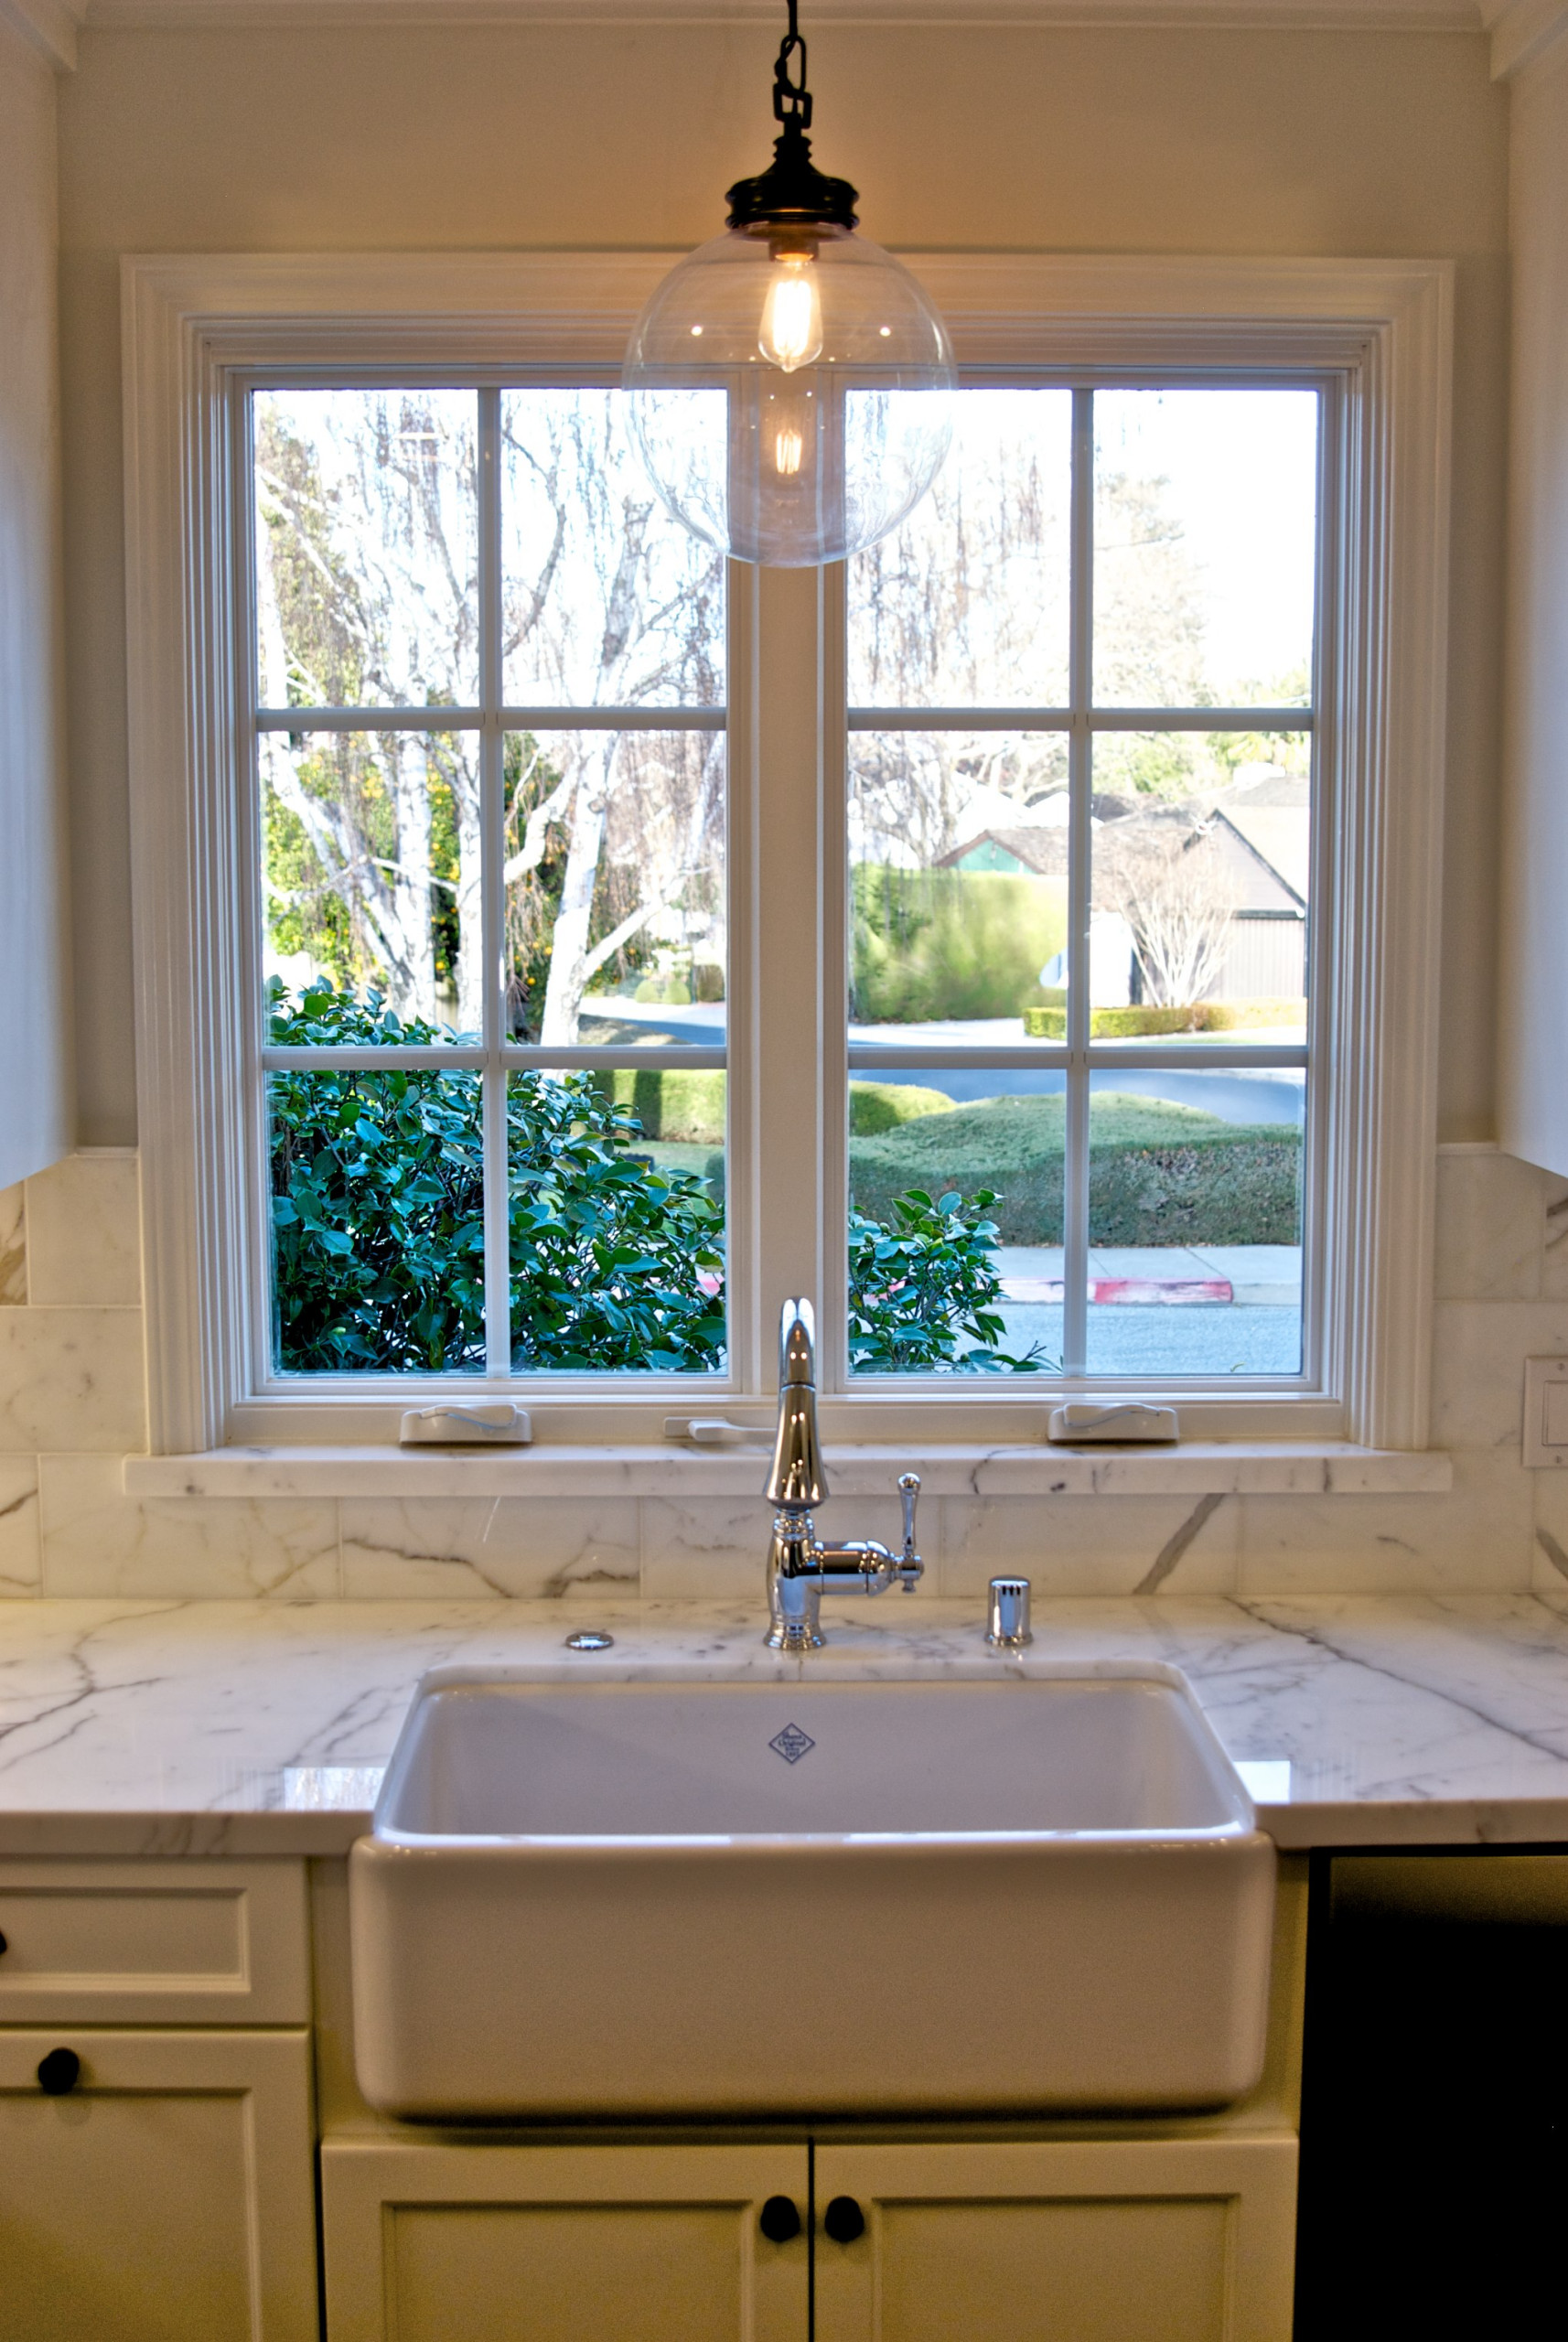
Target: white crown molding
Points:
(1522, 31)
(1339, 15)
(46, 25)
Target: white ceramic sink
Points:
(1040, 1888)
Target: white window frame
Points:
(1378, 332)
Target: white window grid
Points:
(1082, 722)
(496, 1056)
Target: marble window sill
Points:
(1236, 1467)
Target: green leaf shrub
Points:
(378, 1235)
(378, 1242)
(925, 1282)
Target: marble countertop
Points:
(202, 1728)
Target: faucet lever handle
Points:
(909, 1490)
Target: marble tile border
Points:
(13, 1246)
(84, 1232)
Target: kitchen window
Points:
(595, 947)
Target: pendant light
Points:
(791, 384)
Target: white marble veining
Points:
(251, 1727)
(473, 1547)
(21, 1559)
(96, 1539)
(1198, 1467)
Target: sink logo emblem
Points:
(792, 1744)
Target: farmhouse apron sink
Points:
(1041, 1888)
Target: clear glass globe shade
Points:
(792, 393)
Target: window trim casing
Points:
(1385, 325)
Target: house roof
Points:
(1043, 850)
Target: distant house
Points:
(1260, 835)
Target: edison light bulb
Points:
(789, 448)
(791, 331)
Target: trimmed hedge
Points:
(1159, 1174)
(688, 1107)
(1049, 1023)
(669, 1101)
(878, 1106)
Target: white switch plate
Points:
(1546, 1411)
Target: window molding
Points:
(1385, 327)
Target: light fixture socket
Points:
(792, 193)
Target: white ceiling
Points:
(1520, 28)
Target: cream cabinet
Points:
(165, 2196)
(452, 2243)
(1169, 2240)
(1072, 2240)
(157, 2129)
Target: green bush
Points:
(377, 1183)
(1243, 1016)
(1050, 1023)
(1159, 1174)
(378, 1245)
(922, 1284)
(877, 1106)
(669, 1101)
(949, 944)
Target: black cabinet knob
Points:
(844, 2219)
(779, 2220)
(59, 2072)
(3, 1945)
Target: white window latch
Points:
(1085, 1421)
(498, 1425)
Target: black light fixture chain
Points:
(791, 98)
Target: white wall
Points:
(36, 1100)
(1533, 1039)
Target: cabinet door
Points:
(449, 2243)
(167, 2198)
(1184, 2240)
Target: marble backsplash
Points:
(72, 1407)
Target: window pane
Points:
(614, 886)
(955, 1259)
(617, 1237)
(1194, 1261)
(367, 548)
(958, 866)
(966, 605)
(1201, 882)
(377, 1223)
(371, 898)
(1205, 537)
(606, 600)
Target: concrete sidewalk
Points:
(1248, 1275)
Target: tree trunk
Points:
(569, 945)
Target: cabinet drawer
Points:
(153, 1943)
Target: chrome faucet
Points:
(800, 1570)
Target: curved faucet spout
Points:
(797, 1477)
(800, 1568)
